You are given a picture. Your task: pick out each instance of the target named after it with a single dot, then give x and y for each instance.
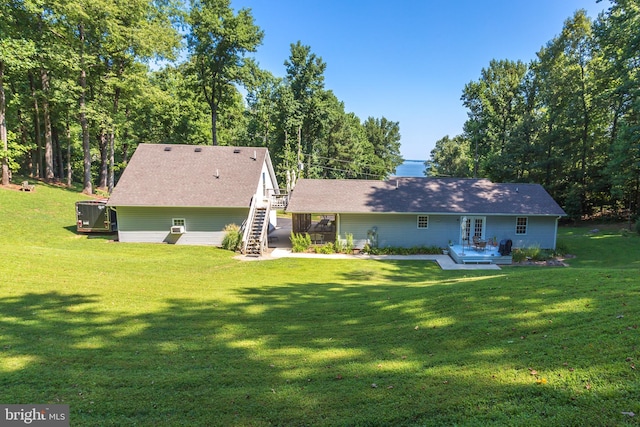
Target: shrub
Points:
(533, 253)
(395, 250)
(232, 237)
(327, 248)
(300, 242)
(518, 255)
(344, 246)
(349, 245)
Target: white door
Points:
(470, 227)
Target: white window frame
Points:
(424, 218)
(179, 222)
(521, 229)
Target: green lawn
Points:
(132, 334)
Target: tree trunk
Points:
(37, 172)
(214, 120)
(125, 137)
(112, 133)
(57, 153)
(104, 159)
(86, 143)
(110, 180)
(547, 179)
(3, 129)
(48, 141)
(69, 170)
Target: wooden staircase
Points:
(257, 233)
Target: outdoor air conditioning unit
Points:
(177, 229)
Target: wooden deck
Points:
(469, 255)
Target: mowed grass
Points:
(148, 335)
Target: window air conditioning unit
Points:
(177, 229)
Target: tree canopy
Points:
(83, 83)
(568, 120)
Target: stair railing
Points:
(249, 224)
(265, 225)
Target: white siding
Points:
(266, 183)
(204, 226)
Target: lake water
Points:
(411, 168)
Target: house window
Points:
(423, 221)
(521, 225)
(177, 222)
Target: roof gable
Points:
(193, 176)
(421, 195)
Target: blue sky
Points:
(409, 60)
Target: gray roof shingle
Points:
(421, 195)
(185, 175)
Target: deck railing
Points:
(279, 199)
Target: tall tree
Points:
(305, 78)
(567, 73)
(384, 136)
(495, 103)
(618, 35)
(451, 157)
(218, 42)
(15, 52)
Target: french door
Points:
(470, 227)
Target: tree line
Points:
(82, 83)
(570, 119)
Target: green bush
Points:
(533, 253)
(349, 245)
(300, 242)
(344, 246)
(327, 248)
(518, 255)
(395, 250)
(232, 238)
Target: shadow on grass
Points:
(456, 351)
(93, 235)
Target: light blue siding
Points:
(204, 226)
(541, 231)
(399, 229)
(402, 230)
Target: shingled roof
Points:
(422, 195)
(190, 176)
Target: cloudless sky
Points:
(409, 60)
